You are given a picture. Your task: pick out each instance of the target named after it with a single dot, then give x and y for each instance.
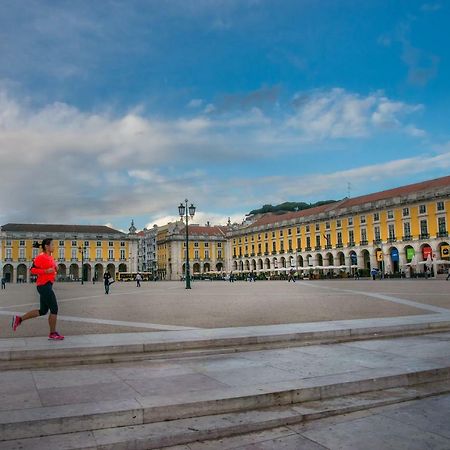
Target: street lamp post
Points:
(185, 212)
(82, 250)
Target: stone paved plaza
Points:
(168, 306)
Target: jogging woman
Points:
(44, 267)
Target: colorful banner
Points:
(445, 251)
(354, 258)
(410, 252)
(427, 251)
(394, 255)
(379, 255)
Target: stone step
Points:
(23, 353)
(47, 421)
(184, 431)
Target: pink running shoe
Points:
(55, 336)
(16, 321)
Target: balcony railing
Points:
(307, 249)
(281, 251)
(266, 253)
(365, 242)
(328, 247)
(407, 238)
(392, 239)
(339, 245)
(351, 244)
(274, 252)
(317, 247)
(442, 234)
(377, 241)
(424, 236)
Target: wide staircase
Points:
(154, 390)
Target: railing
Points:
(317, 247)
(365, 242)
(281, 251)
(328, 247)
(392, 239)
(424, 236)
(266, 253)
(442, 234)
(377, 241)
(339, 245)
(351, 244)
(307, 249)
(274, 252)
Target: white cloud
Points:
(195, 103)
(338, 113)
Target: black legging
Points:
(47, 299)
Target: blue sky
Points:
(118, 109)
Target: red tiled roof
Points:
(209, 231)
(349, 202)
(55, 228)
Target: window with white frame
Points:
(317, 226)
(442, 226)
(122, 254)
(406, 229)
(206, 253)
(351, 237)
(22, 243)
(440, 206)
(74, 243)
(206, 244)
(338, 223)
(391, 229)
(405, 212)
(74, 253)
(423, 227)
(111, 244)
(35, 252)
(307, 228)
(21, 253)
(8, 253)
(61, 243)
(219, 253)
(122, 243)
(350, 221)
(196, 254)
(86, 243)
(377, 233)
(99, 243)
(376, 217)
(422, 209)
(362, 219)
(61, 253)
(99, 253)
(363, 235)
(196, 244)
(390, 214)
(110, 254)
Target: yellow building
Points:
(392, 230)
(78, 249)
(207, 247)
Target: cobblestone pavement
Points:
(167, 305)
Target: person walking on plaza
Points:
(106, 280)
(138, 280)
(374, 272)
(291, 276)
(448, 274)
(231, 277)
(3, 283)
(44, 267)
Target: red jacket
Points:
(41, 263)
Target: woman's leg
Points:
(31, 314)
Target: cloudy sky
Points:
(113, 110)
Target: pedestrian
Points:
(448, 275)
(356, 274)
(231, 280)
(374, 273)
(138, 280)
(44, 267)
(106, 280)
(3, 283)
(291, 276)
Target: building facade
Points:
(392, 230)
(207, 250)
(80, 250)
(147, 247)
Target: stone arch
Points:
(275, 263)
(8, 273)
(87, 272)
(98, 271)
(365, 258)
(74, 271)
(267, 264)
(62, 271)
(196, 268)
(424, 250)
(300, 261)
(329, 258)
(219, 267)
(111, 268)
(123, 267)
(353, 257)
(309, 260)
(443, 255)
(22, 272)
(319, 259)
(206, 267)
(247, 265)
(235, 265)
(253, 265)
(340, 259)
(241, 265)
(260, 264)
(283, 261)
